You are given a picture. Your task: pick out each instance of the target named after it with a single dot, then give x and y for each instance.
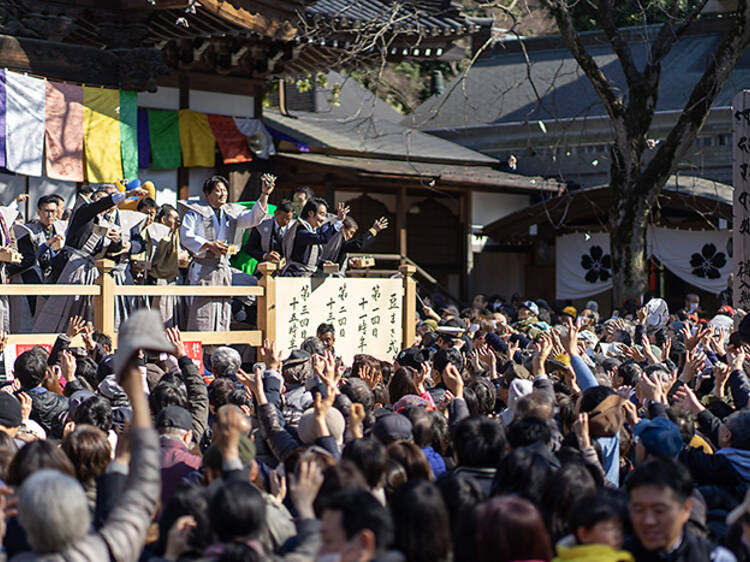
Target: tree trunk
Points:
(628, 221)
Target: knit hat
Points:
(142, 330)
(174, 417)
(570, 311)
(10, 410)
(212, 457)
(392, 427)
(659, 436)
(334, 420)
(431, 323)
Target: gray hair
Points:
(225, 361)
(53, 511)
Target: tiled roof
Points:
(364, 123)
(502, 88)
(433, 16)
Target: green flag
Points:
(164, 130)
(129, 133)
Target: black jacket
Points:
(49, 410)
(692, 549)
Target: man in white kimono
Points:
(208, 230)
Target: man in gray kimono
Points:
(209, 230)
(38, 242)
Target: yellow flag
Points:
(101, 134)
(196, 139)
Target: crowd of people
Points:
(191, 245)
(512, 430)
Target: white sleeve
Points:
(252, 217)
(189, 236)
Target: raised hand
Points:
(370, 376)
(76, 325)
(686, 399)
(453, 380)
(174, 336)
(356, 419)
(380, 224)
(254, 383)
(178, 537)
(581, 429)
(230, 425)
(270, 355)
(569, 338)
(304, 487)
(419, 376)
(68, 365)
(88, 336)
(267, 183)
(341, 211)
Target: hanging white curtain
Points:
(584, 266)
(699, 257)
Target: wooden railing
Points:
(104, 292)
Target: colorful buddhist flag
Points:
(232, 143)
(63, 131)
(164, 133)
(196, 139)
(101, 136)
(129, 133)
(144, 143)
(24, 123)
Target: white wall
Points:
(200, 100)
(165, 182)
(222, 104)
(488, 207)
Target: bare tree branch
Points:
(668, 35)
(698, 106)
(612, 104)
(619, 45)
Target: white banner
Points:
(583, 264)
(366, 314)
(700, 257)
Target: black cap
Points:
(413, 357)
(10, 410)
(106, 367)
(392, 427)
(174, 416)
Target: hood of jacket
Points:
(739, 459)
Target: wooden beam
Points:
(283, 29)
(49, 290)
(187, 291)
(79, 63)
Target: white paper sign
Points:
(366, 314)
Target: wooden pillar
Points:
(258, 93)
(401, 222)
(331, 195)
(104, 303)
(183, 173)
(267, 302)
(409, 320)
